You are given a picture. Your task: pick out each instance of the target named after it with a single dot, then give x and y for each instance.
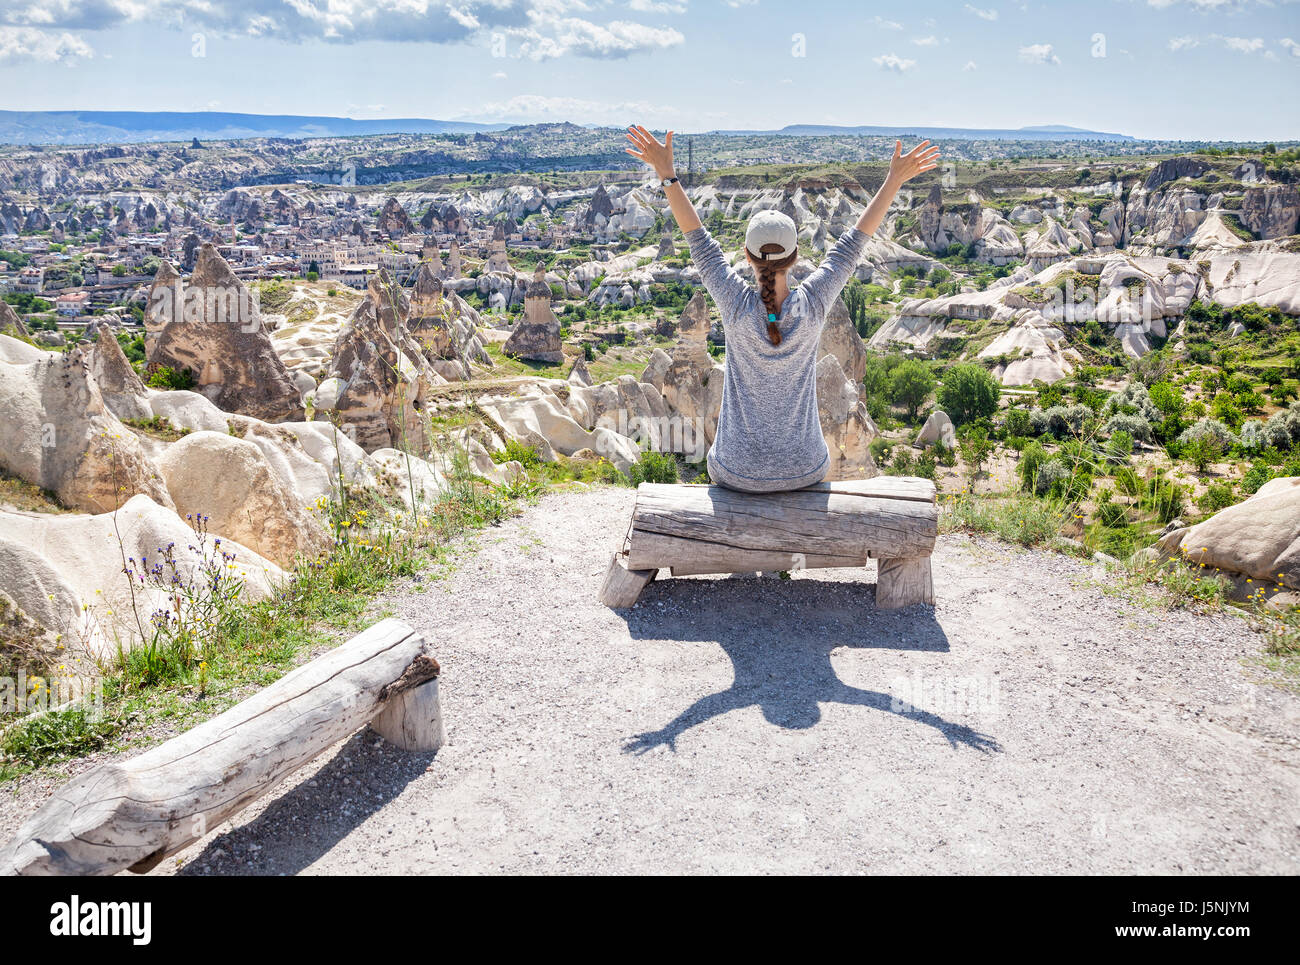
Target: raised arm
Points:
(719, 278)
(830, 277)
(902, 168)
(646, 147)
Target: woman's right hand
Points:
(647, 148)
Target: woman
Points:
(769, 436)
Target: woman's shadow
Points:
(780, 636)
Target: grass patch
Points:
(1015, 518)
(25, 497)
(160, 427)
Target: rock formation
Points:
(1258, 539)
(382, 374)
(690, 382)
(10, 322)
(393, 220)
(161, 306)
(123, 392)
(216, 332)
(536, 337)
(430, 325)
(1271, 210)
(230, 481)
(846, 424)
(841, 339)
(497, 259)
(938, 428)
(59, 435)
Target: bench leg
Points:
(902, 582)
(413, 719)
(622, 586)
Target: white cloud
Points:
(989, 14)
(1205, 6)
(657, 6)
(1186, 42)
(27, 43)
(894, 62)
(548, 27)
(499, 75)
(884, 24)
(971, 65)
(1242, 45)
(1038, 54)
(570, 35)
(1291, 45)
(930, 41)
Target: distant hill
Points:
(120, 127)
(1043, 132)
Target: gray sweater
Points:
(769, 435)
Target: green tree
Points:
(910, 385)
(976, 447)
(968, 393)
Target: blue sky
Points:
(1217, 69)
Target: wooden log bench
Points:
(696, 529)
(132, 814)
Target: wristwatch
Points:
(667, 181)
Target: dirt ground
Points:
(1032, 721)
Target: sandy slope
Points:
(761, 725)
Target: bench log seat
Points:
(693, 529)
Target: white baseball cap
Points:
(770, 227)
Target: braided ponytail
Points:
(766, 271)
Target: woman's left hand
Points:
(904, 167)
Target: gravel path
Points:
(1029, 722)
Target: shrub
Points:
(1127, 481)
(166, 378)
(1120, 446)
(1016, 422)
(1031, 460)
(925, 465)
(517, 451)
(1204, 442)
(1251, 436)
(1163, 498)
(1111, 514)
(1067, 419)
(1133, 399)
(1283, 428)
(1217, 496)
(968, 393)
(1224, 408)
(976, 447)
(1051, 477)
(1167, 399)
(1134, 426)
(653, 467)
(1202, 451)
(1256, 476)
(1039, 422)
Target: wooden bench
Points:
(133, 813)
(695, 529)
